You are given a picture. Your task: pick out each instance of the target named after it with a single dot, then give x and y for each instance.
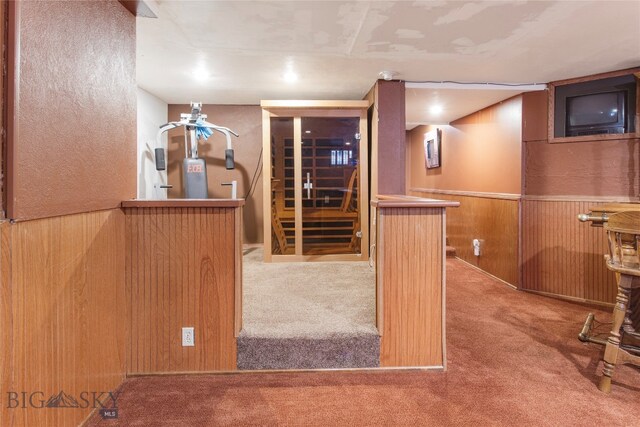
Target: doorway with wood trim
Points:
(315, 185)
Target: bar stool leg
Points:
(613, 343)
(627, 325)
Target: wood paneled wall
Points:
(491, 219)
(181, 271)
(481, 168)
(410, 270)
(62, 312)
(563, 256)
(480, 152)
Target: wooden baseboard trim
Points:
(438, 368)
(504, 196)
(583, 301)
(86, 420)
(514, 287)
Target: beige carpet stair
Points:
(307, 315)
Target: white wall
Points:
(152, 112)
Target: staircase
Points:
(451, 251)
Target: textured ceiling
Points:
(338, 48)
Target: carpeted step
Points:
(330, 352)
(303, 315)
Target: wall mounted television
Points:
(597, 107)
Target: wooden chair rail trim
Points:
(402, 201)
(183, 203)
(506, 196)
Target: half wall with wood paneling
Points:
(62, 312)
(493, 219)
(410, 336)
(410, 280)
(182, 266)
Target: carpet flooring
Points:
(307, 315)
(513, 360)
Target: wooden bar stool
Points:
(623, 345)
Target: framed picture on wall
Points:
(432, 149)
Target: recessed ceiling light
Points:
(200, 74)
(347, 143)
(436, 109)
(290, 77)
(307, 131)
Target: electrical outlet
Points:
(477, 243)
(188, 338)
